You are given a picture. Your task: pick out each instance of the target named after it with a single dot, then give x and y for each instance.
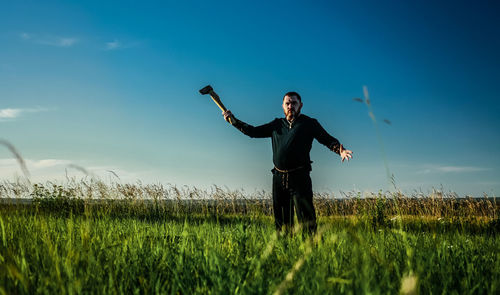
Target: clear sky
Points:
(113, 85)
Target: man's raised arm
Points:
(249, 130)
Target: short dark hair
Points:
(293, 93)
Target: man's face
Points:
(291, 107)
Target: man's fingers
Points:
(346, 154)
(227, 114)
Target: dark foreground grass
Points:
(50, 253)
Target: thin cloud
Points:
(49, 40)
(13, 113)
(48, 163)
(35, 164)
(117, 45)
(25, 36)
(451, 169)
(61, 169)
(45, 169)
(66, 42)
(58, 42)
(113, 45)
(10, 113)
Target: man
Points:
(292, 139)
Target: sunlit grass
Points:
(92, 237)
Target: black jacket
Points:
(291, 142)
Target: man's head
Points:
(292, 104)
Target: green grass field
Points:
(65, 243)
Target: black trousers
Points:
(291, 191)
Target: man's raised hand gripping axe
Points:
(209, 90)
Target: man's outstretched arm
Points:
(249, 130)
(331, 142)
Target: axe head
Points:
(206, 90)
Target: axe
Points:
(209, 90)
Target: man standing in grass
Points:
(292, 139)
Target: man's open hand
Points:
(345, 154)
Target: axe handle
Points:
(219, 103)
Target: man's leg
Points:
(282, 204)
(303, 199)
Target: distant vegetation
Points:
(93, 237)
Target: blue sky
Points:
(114, 86)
